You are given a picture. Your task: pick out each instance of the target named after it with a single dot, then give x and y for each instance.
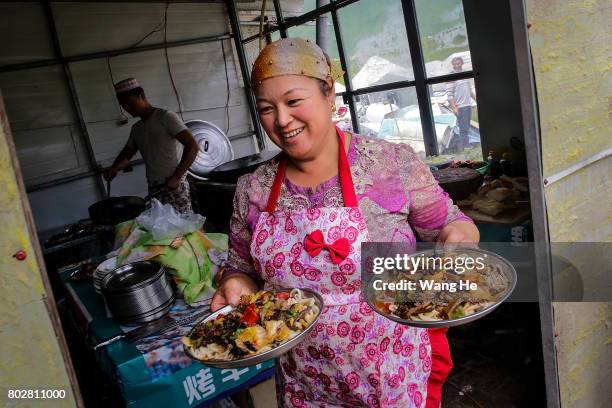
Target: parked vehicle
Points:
(404, 126)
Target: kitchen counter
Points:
(153, 371)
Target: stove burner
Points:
(74, 231)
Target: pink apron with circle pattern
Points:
(353, 357)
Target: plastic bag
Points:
(163, 221)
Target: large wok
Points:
(114, 210)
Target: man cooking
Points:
(165, 143)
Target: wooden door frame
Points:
(48, 298)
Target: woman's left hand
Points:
(458, 232)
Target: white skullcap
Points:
(126, 85)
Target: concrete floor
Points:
(497, 361)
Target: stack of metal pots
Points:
(138, 292)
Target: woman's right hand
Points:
(231, 289)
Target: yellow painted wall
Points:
(30, 356)
(571, 46)
(572, 55)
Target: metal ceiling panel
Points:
(37, 98)
(92, 27)
(25, 33)
(47, 151)
(47, 138)
(199, 75)
(195, 69)
(95, 90)
(107, 140)
(239, 122)
(56, 206)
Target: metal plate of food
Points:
(436, 298)
(214, 147)
(261, 327)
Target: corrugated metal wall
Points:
(570, 42)
(46, 130)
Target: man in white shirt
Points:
(460, 95)
(165, 143)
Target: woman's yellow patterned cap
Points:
(292, 56)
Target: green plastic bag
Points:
(193, 259)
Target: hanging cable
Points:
(227, 89)
(157, 28)
(178, 98)
(123, 119)
(110, 70)
(160, 26)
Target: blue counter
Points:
(153, 371)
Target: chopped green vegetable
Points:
(236, 333)
(404, 297)
(458, 312)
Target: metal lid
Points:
(214, 147)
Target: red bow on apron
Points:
(314, 243)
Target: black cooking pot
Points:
(215, 193)
(215, 202)
(230, 171)
(114, 210)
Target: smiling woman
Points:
(299, 221)
(296, 115)
(295, 110)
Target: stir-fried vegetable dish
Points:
(439, 303)
(260, 322)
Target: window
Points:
(308, 31)
(392, 115)
(446, 52)
(375, 43)
(408, 69)
(443, 35)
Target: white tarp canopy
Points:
(378, 70)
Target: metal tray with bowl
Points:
(267, 355)
(504, 269)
